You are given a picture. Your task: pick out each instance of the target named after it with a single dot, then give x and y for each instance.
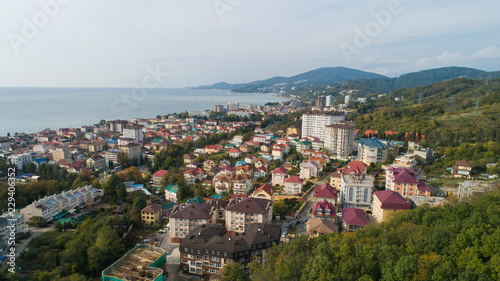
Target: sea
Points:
(32, 110)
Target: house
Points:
(242, 170)
(260, 173)
(241, 212)
(209, 149)
(208, 248)
(262, 162)
(151, 214)
(223, 183)
(326, 192)
(171, 191)
(353, 219)
(317, 227)
(402, 181)
(187, 216)
(308, 170)
(278, 176)
(208, 165)
(189, 158)
(158, 177)
(242, 184)
(324, 209)
(293, 185)
(387, 202)
(235, 152)
(356, 190)
(193, 176)
(462, 169)
(264, 192)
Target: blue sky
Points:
(112, 43)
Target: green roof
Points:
(195, 200)
(172, 188)
(305, 142)
(156, 140)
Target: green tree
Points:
(234, 272)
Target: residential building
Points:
(96, 146)
(240, 212)
(134, 133)
(218, 108)
(462, 169)
(171, 191)
(233, 106)
(151, 214)
(316, 227)
(335, 180)
(387, 202)
(158, 177)
(208, 249)
(406, 161)
(356, 190)
(112, 155)
(372, 151)
(60, 153)
(339, 139)
(354, 167)
(46, 208)
(189, 158)
(193, 176)
(324, 209)
(308, 170)
(314, 124)
(242, 184)
(402, 181)
(294, 130)
(278, 176)
(187, 216)
(96, 162)
(132, 151)
(293, 185)
(264, 192)
(20, 160)
(354, 219)
(326, 192)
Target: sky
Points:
(182, 43)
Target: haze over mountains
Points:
(354, 79)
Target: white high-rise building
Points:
(347, 99)
(233, 106)
(314, 124)
(329, 101)
(339, 139)
(133, 133)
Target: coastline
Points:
(73, 107)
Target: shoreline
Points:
(187, 105)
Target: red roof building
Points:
(324, 209)
(354, 219)
(326, 192)
(386, 202)
(354, 167)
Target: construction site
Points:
(143, 263)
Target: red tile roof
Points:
(404, 177)
(160, 173)
(280, 170)
(325, 191)
(324, 205)
(391, 200)
(293, 179)
(352, 216)
(151, 208)
(266, 188)
(356, 167)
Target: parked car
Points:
(298, 216)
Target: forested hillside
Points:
(454, 242)
(445, 112)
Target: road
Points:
(173, 259)
(34, 233)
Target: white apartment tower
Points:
(314, 124)
(329, 101)
(339, 139)
(233, 106)
(133, 133)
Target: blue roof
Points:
(217, 196)
(39, 160)
(112, 141)
(137, 185)
(373, 142)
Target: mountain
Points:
(318, 77)
(336, 79)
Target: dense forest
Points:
(453, 242)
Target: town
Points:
(202, 194)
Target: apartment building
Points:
(207, 249)
(387, 202)
(339, 139)
(151, 214)
(356, 190)
(314, 124)
(241, 212)
(372, 151)
(186, 217)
